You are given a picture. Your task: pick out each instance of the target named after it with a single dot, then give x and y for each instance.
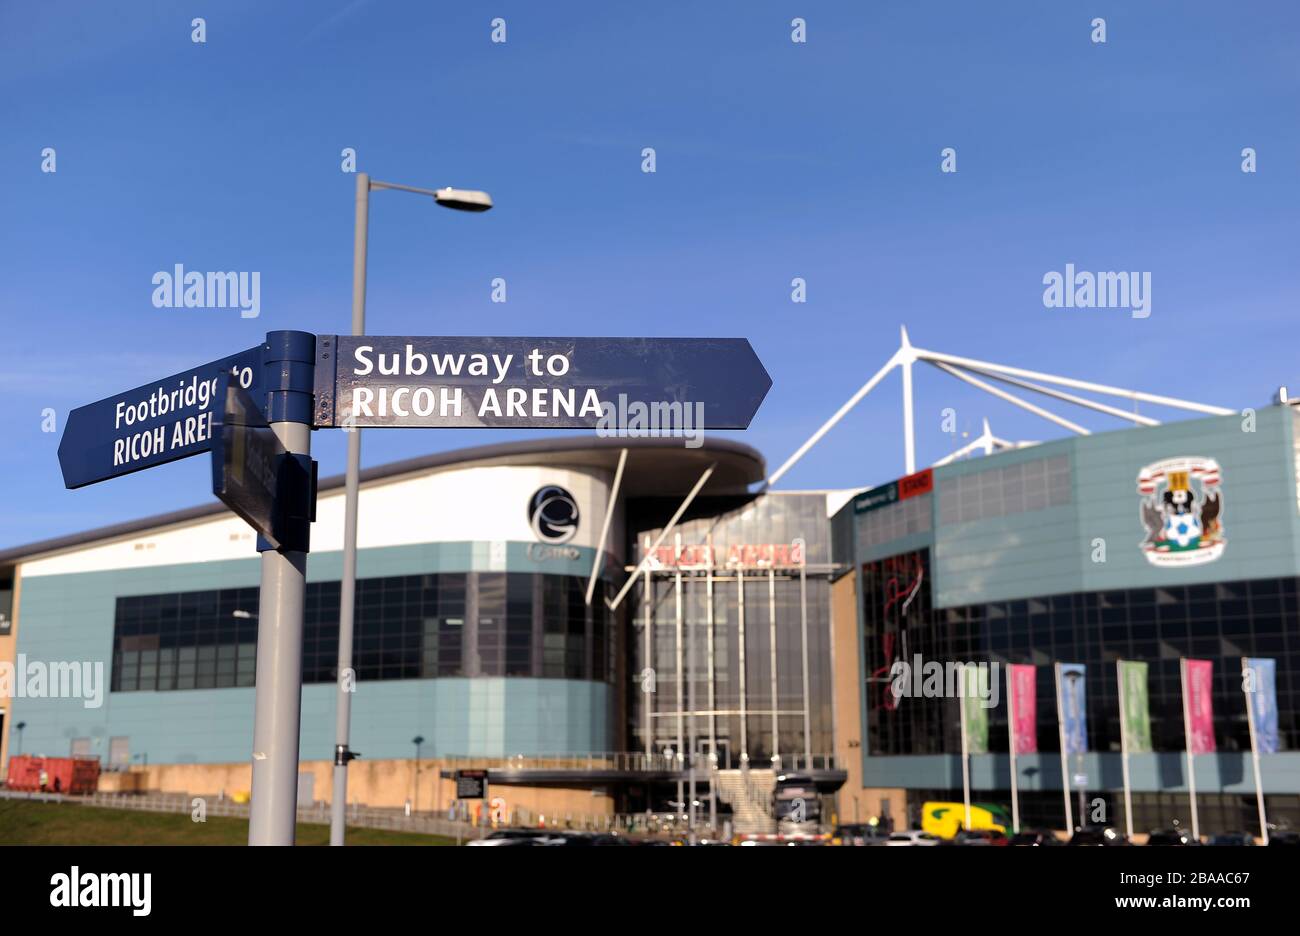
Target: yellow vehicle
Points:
(946, 819)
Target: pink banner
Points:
(1198, 688)
(1024, 730)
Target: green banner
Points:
(977, 708)
(1137, 713)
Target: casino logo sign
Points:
(553, 514)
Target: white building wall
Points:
(452, 505)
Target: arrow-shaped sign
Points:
(152, 424)
(538, 383)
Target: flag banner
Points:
(1198, 688)
(976, 685)
(1074, 707)
(1136, 706)
(1022, 692)
(1260, 684)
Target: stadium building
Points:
(628, 626)
(485, 627)
(1071, 552)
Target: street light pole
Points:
(417, 741)
(20, 726)
(461, 200)
(347, 592)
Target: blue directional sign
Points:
(153, 424)
(246, 458)
(538, 383)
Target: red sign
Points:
(914, 485)
(737, 556)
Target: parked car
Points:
(1283, 837)
(1039, 837)
(514, 837)
(1171, 837)
(859, 834)
(947, 819)
(912, 837)
(1231, 838)
(1098, 835)
(582, 839)
(979, 837)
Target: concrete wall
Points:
(380, 783)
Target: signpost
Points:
(153, 424)
(255, 411)
(252, 472)
(537, 383)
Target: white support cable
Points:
(982, 442)
(599, 559)
(971, 363)
(1068, 397)
(1010, 397)
(908, 354)
(906, 360)
(830, 423)
(663, 535)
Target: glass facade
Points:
(772, 606)
(407, 627)
(1221, 622)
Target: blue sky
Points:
(774, 160)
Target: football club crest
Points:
(1182, 511)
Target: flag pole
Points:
(1065, 768)
(1123, 749)
(1011, 723)
(1254, 745)
(965, 743)
(1187, 743)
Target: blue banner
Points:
(1260, 685)
(1074, 709)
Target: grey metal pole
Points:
(347, 589)
(693, 734)
(681, 723)
(278, 700)
(771, 622)
(648, 686)
(713, 700)
(740, 625)
(803, 650)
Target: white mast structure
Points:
(983, 375)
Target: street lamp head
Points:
(418, 739)
(463, 199)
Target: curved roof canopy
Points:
(659, 467)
